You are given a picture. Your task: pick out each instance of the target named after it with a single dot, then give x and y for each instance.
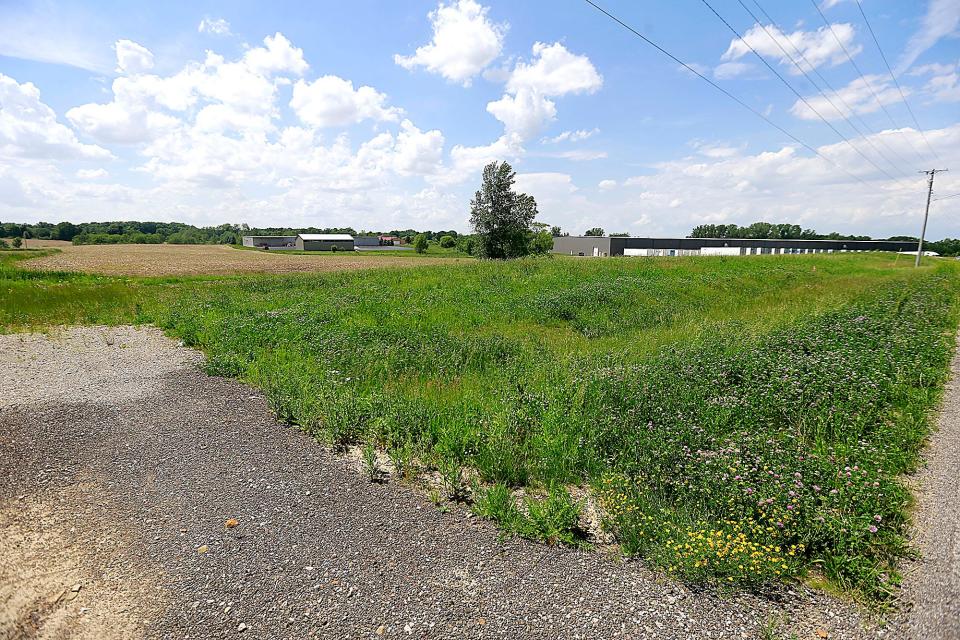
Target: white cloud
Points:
(525, 113)
(55, 33)
(727, 70)
(571, 136)
(940, 21)
(92, 174)
(702, 69)
(786, 185)
(818, 47)
(545, 185)
(277, 56)
(119, 123)
(216, 127)
(466, 162)
(464, 42)
(526, 108)
(576, 155)
(132, 58)
(214, 26)
(240, 95)
(213, 145)
(858, 94)
(943, 84)
(330, 101)
(555, 72)
(29, 128)
(607, 185)
(417, 152)
(715, 150)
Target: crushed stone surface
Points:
(121, 463)
(930, 599)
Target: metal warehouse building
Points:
(366, 241)
(325, 242)
(606, 246)
(303, 242)
(270, 242)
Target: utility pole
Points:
(926, 214)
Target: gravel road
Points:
(121, 463)
(931, 587)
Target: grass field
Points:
(737, 420)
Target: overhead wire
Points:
(897, 83)
(836, 94)
(952, 195)
(796, 93)
(866, 83)
(725, 92)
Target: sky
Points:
(380, 115)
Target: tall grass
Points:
(739, 420)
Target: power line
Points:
(836, 94)
(952, 195)
(723, 91)
(895, 82)
(795, 92)
(863, 77)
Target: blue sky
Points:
(380, 115)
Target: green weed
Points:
(740, 420)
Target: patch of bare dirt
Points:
(183, 260)
(58, 574)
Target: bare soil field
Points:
(183, 260)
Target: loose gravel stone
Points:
(930, 599)
(136, 458)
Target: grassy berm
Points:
(739, 421)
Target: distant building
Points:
(325, 242)
(270, 242)
(366, 241)
(606, 246)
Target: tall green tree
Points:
(420, 243)
(501, 217)
(596, 231)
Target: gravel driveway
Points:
(121, 462)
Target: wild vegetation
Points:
(736, 420)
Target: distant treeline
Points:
(759, 230)
(176, 232)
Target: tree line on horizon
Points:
(767, 230)
(136, 232)
(509, 232)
